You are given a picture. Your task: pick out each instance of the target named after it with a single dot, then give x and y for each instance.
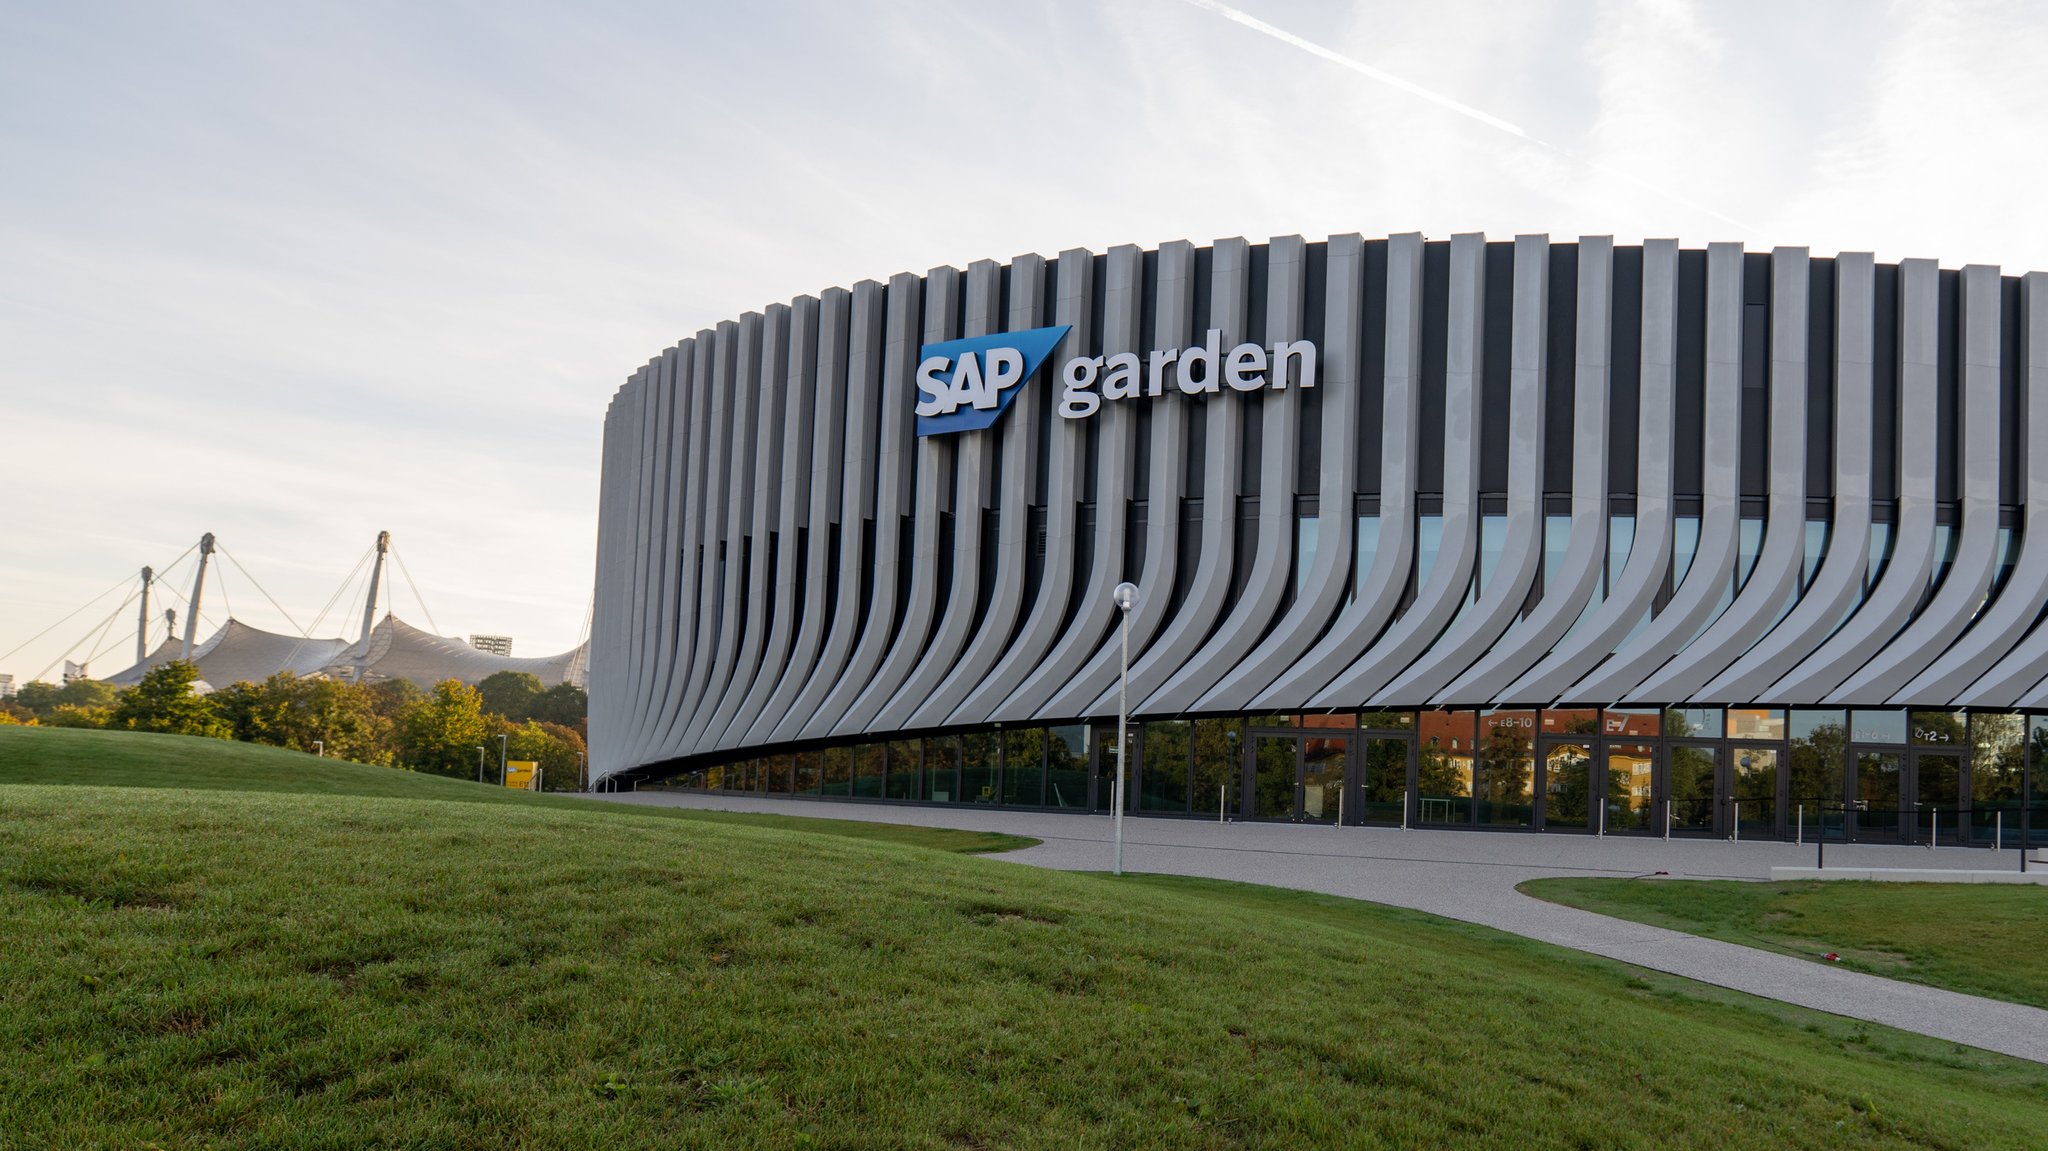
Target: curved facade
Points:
(1459, 531)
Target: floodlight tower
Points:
(376, 578)
(198, 588)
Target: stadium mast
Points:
(142, 620)
(198, 588)
(376, 578)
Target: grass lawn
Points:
(1983, 939)
(76, 757)
(266, 969)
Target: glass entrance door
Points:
(1297, 776)
(1937, 779)
(1322, 777)
(1689, 788)
(1567, 786)
(1875, 813)
(1631, 788)
(1275, 774)
(1382, 780)
(1753, 790)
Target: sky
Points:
(295, 274)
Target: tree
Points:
(165, 702)
(510, 694)
(42, 698)
(440, 732)
(341, 719)
(565, 704)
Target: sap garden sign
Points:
(965, 385)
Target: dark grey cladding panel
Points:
(780, 560)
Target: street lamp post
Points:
(1126, 596)
(479, 765)
(501, 760)
(320, 748)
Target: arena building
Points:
(1560, 536)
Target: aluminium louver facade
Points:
(1529, 474)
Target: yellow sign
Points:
(523, 774)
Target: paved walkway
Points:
(1472, 876)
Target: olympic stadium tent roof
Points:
(398, 650)
(239, 652)
(394, 650)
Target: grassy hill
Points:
(225, 968)
(84, 758)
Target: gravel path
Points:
(1472, 876)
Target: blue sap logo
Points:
(964, 385)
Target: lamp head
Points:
(1125, 595)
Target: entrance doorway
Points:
(1295, 776)
(1898, 796)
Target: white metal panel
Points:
(1904, 579)
(1695, 601)
(2024, 661)
(1379, 587)
(1774, 579)
(1839, 581)
(1567, 591)
(1961, 594)
(1272, 570)
(1450, 577)
(1500, 601)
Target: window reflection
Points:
(1504, 784)
(1443, 785)
(1024, 766)
(1066, 767)
(1163, 778)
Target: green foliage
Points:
(67, 715)
(440, 732)
(564, 704)
(336, 718)
(510, 694)
(40, 698)
(165, 702)
(328, 971)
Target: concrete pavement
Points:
(1471, 875)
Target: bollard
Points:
(1934, 831)
(1219, 804)
(1735, 807)
(1998, 831)
(1667, 821)
(1340, 807)
(1799, 837)
(1404, 811)
(1820, 848)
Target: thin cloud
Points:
(1246, 19)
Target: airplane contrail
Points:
(1246, 19)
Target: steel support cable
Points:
(108, 622)
(260, 590)
(124, 582)
(346, 581)
(94, 650)
(107, 647)
(417, 597)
